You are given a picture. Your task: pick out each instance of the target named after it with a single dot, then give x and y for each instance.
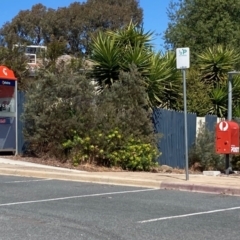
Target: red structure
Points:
(227, 137)
(8, 110)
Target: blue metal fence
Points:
(21, 142)
(210, 121)
(171, 125)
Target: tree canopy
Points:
(75, 23)
(200, 24)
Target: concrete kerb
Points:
(82, 178)
(9, 162)
(200, 188)
(159, 181)
(123, 181)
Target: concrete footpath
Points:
(229, 185)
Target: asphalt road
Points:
(46, 209)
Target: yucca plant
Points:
(164, 80)
(106, 60)
(138, 56)
(132, 35)
(114, 51)
(216, 62)
(119, 50)
(218, 97)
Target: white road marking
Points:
(73, 197)
(39, 180)
(189, 215)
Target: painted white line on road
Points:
(26, 181)
(74, 197)
(189, 215)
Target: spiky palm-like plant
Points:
(105, 58)
(218, 97)
(120, 50)
(132, 35)
(216, 62)
(163, 82)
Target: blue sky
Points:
(155, 18)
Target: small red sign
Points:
(2, 120)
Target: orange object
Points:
(7, 86)
(6, 73)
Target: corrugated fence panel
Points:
(21, 142)
(192, 125)
(171, 125)
(210, 121)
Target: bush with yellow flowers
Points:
(112, 149)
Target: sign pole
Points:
(229, 118)
(185, 122)
(183, 63)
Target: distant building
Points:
(35, 54)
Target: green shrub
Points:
(203, 152)
(54, 105)
(68, 119)
(112, 150)
(235, 162)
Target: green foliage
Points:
(214, 54)
(235, 162)
(132, 35)
(55, 104)
(216, 62)
(68, 119)
(163, 80)
(111, 150)
(17, 61)
(75, 24)
(55, 48)
(218, 96)
(121, 49)
(198, 100)
(203, 152)
(200, 24)
(105, 57)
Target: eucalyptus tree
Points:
(75, 24)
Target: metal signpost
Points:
(183, 63)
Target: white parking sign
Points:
(183, 58)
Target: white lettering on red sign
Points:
(5, 71)
(223, 126)
(234, 149)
